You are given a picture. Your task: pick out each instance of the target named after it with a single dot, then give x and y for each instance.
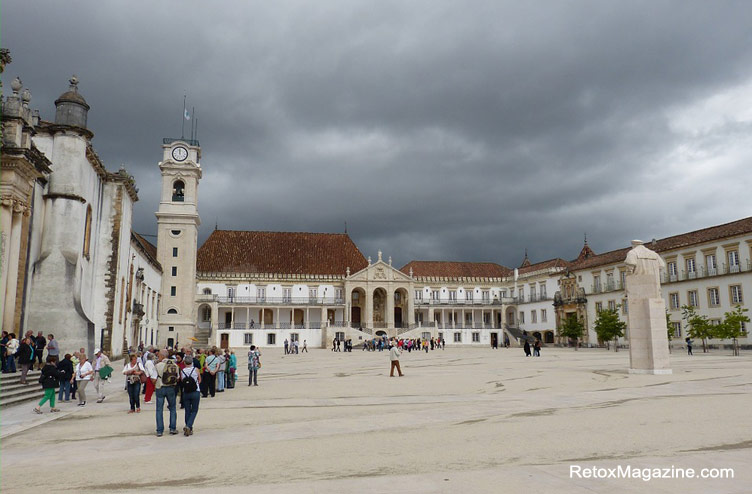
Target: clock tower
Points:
(177, 237)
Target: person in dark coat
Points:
(65, 368)
(527, 348)
(25, 358)
(50, 379)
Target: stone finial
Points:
(26, 97)
(347, 271)
(379, 255)
(390, 260)
(369, 260)
(73, 83)
(411, 272)
(16, 85)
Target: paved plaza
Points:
(460, 420)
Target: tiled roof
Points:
(452, 269)
(538, 266)
(710, 234)
(149, 250)
(230, 251)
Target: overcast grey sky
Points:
(437, 130)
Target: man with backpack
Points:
(189, 383)
(166, 387)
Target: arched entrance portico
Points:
(510, 319)
(357, 306)
(400, 308)
(379, 308)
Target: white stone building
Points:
(69, 267)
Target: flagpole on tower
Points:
(182, 119)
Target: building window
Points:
(453, 295)
(313, 293)
(271, 339)
(338, 294)
(248, 339)
(610, 281)
(486, 295)
(170, 328)
(175, 233)
(355, 296)
(174, 270)
(172, 311)
(694, 300)
(522, 293)
(418, 294)
(340, 335)
(596, 283)
(733, 260)
(87, 232)
(598, 307)
(207, 291)
(533, 316)
(544, 318)
(173, 291)
(673, 301)
(522, 317)
(612, 305)
(623, 278)
(671, 267)
(434, 295)
(503, 294)
(174, 252)
(736, 294)
(624, 309)
(261, 293)
(714, 297)
(690, 264)
(178, 191)
(711, 264)
(206, 314)
(397, 297)
(458, 337)
(469, 295)
(542, 289)
(677, 329)
(476, 337)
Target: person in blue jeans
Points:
(165, 392)
(190, 398)
(65, 367)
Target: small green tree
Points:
(731, 327)
(698, 326)
(670, 330)
(572, 328)
(609, 327)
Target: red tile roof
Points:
(710, 234)
(538, 266)
(149, 250)
(452, 269)
(230, 251)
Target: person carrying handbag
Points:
(134, 373)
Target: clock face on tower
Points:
(179, 153)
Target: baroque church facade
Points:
(73, 266)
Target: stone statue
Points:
(646, 314)
(642, 260)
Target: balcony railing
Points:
(272, 300)
(704, 272)
(481, 302)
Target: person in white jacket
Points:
(394, 355)
(82, 376)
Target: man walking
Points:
(167, 379)
(286, 347)
(305, 347)
(39, 343)
(394, 355)
(100, 361)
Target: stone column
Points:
(12, 279)
(389, 309)
(277, 319)
(369, 308)
(410, 309)
(6, 219)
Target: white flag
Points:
(187, 115)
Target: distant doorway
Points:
(494, 340)
(224, 340)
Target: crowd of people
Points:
(179, 378)
(26, 354)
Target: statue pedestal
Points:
(646, 323)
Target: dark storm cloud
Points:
(436, 130)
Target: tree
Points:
(731, 327)
(572, 328)
(698, 326)
(609, 327)
(670, 330)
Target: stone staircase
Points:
(12, 392)
(202, 336)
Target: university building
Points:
(72, 264)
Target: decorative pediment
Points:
(380, 271)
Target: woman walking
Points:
(65, 368)
(50, 379)
(254, 363)
(133, 371)
(82, 376)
